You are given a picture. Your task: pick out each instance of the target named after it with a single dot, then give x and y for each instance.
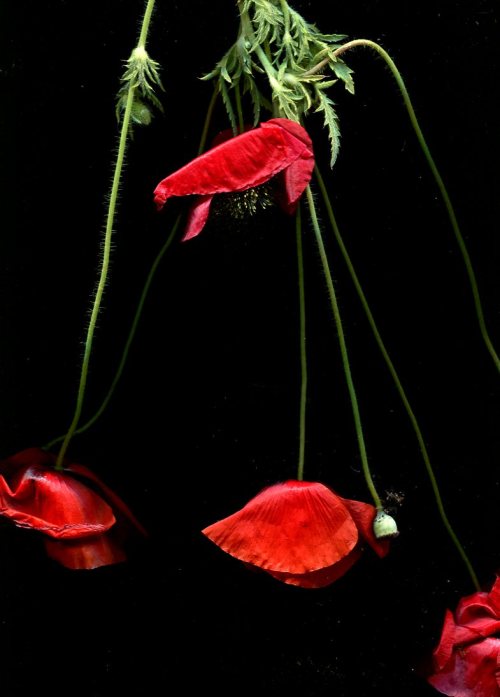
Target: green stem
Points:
(142, 300)
(302, 343)
(248, 32)
(106, 253)
(441, 186)
(146, 20)
(239, 108)
(343, 351)
(128, 343)
(208, 118)
(399, 387)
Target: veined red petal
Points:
(118, 505)
(198, 216)
(295, 528)
(85, 553)
(54, 503)
(471, 671)
(481, 611)
(240, 163)
(322, 577)
(363, 515)
(442, 653)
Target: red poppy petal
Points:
(322, 577)
(481, 611)
(297, 176)
(471, 671)
(442, 653)
(363, 515)
(50, 501)
(86, 553)
(240, 163)
(295, 527)
(116, 502)
(198, 216)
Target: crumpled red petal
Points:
(73, 509)
(86, 553)
(467, 658)
(243, 162)
(363, 515)
(51, 502)
(294, 528)
(472, 671)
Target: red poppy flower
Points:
(301, 533)
(467, 659)
(240, 163)
(73, 509)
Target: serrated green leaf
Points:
(227, 103)
(330, 121)
(344, 73)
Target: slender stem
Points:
(441, 186)
(239, 108)
(106, 253)
(343, 351)
(145, 24)
(142, 300)
(247, 30)
(208, 118)
(399, 387)
(128, 343)
(302, 343)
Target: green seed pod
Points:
(384, 526)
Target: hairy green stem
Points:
(142, 300)
(106, 252)
(146, 20)
(343, 351)
(441, 186)
(397, 382)
(130, 338)
(302, 345)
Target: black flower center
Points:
(243, 204)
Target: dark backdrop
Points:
(206, 414)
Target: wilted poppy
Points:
(277, 147)
(73, 509)
(301, 533)
(467, 659)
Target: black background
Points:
(206, 413)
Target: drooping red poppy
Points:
(278, 146)
(82, 520)
(467, 659)
(302, 533)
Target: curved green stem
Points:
(302, 343)
(343, 351)
(106, 252)
(142, 299)
(441, 186)
(128, 343)
(397, 382)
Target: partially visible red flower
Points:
(243, 162)
(467, 659)
(73, 509)
(302, 533)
